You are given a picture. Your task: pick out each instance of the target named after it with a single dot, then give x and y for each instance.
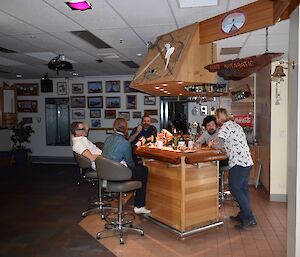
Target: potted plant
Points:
(20, 137)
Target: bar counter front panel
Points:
(183, 188)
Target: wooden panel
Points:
(258, 15)
(201, 196)
(254, 149)
(164, 193)
(263, 122)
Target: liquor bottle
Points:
(153, 139)
(175, 141)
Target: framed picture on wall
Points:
(131, 102)
(113, 102)
(125, 115)
(149, 100)
(27, 120)
(127, 89)
(27, 105)
(95, 87)
(95, 113)
(95, 101)
(77, 88)
(96, 123)
(78, 114)
(112, 86)
(150, 112)
(62, 88)
(136, 115)
(30, 89)
(77, 101)
(110, 114)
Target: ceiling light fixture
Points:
(79, 5)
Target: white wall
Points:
(38, 139)
(278, 155)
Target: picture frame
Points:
(125, 115)
(151, 112)
(77, 88)
(27, 120)
(110, 114)
(131, 102)
(96, 113)
(113, 86)
(78, 114)
(126, 87)
(78, 102)
(95, 101)
(27, 89)
(149, 100)
(94, 87)
(62, 88)
(113, 102)
(95, 123)
(136, 115)
(27, 105)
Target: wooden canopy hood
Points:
(185, 67)
(194, 49)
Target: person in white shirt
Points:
(232, 137)
(81, 144)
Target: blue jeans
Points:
(239, 188)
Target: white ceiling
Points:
(36, 29)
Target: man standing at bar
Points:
(232, 137)
(143, 131)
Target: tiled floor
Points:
(266, 240)
(40, 217)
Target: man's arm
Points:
(92, 157)
(135, 133)
(217, 143)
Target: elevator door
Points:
(57, 121)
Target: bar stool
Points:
(118, 181)
(91, 175)
(222, 171)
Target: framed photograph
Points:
(136, 115)
(127, 89)
(110, 114)
(154, 120)
(27, 105)
(78, 114)
(62, 88)
(96, 123)
(77, 88)
(95, 113)
(112, 86)
(27, 120)
(113, 102)
(95, 101)
(77, 101)
(131, 102)
(95, 87)
(150, 112)
(125, 115)
(149, 100)
(30, 89)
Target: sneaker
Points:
(246, 224)
(141, 210)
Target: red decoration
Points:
(244, 120)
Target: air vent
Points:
(230, 50)
(130, 64)
(5, 50)
(91, 39)
(99, 61)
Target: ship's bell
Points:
(278, 72)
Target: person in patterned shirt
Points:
(232, 138)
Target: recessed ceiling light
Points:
(180, 94)
(139, 54)
(75, 74)
(19, 76)
(157, 87)
(164, 84)
(169, 93)
(179, 82)
(161, 89)
(196, 3)
(79, 5)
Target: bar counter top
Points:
(169, 155)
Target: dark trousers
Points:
(239, 188)
(140, 173)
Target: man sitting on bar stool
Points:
(117, 148)
(81, 144)
(211, 130)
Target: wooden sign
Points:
(241, 68)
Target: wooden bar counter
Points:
(183, 187)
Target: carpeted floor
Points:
(40, 210)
